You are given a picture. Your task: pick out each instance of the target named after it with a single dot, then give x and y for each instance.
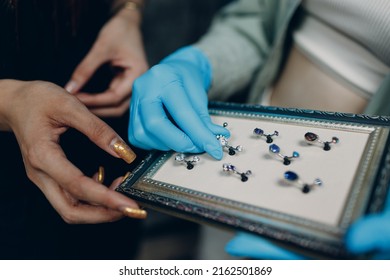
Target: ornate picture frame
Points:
(354, 175)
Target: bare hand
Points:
(38, 113)
(120, 44)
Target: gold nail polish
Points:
(100, 176)
(134, 213)
(123, 150)
(126, 175)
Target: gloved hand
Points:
(169, 106)
(255, 247)
(371, 233)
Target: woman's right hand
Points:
(38, 113)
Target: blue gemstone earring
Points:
(189, 162)
(229, 168)
(312, 138)
(274, 149)
(268, 137)
(292, 177)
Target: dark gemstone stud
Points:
(275, 150)
(293, 178)
(268, 137)
(188, 161)
(229, 168)
(312, 138)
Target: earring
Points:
(292, 177)
(187, 161)
(274, 149)
(225, 144)
(312, 138)
(259, 132)
(229, 168)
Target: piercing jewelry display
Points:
(274, 149)
(292, 177)
(189, 161)
(312, 138)
(289, 176)
(229, 168)
(259, 132)
(271, 189)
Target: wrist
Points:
(6, 99)
(195, 56)
(131, 10)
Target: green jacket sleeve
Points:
(239, 42)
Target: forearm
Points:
(6, 92)
(131, 9)
(237, 44)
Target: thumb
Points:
(368, 234)
(84, 71)
(99, 132)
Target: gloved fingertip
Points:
(241, 245)
(232, 249)
(256, 247)
(219, 130)
(365, 235)
(215, 150)
(192, 150)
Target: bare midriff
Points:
(303, 84)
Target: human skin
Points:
(120, 45)
(38, 113)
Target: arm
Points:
(238, 44)
(38, 113)
(225, 59)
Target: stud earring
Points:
(292, 177)
(188, 161)
(268, 137)
(274, 149)
(225, 144)
(312, 138)
(229, 168)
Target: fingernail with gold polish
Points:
(100, 176)
(126, 175)
(123, 150)
(134, 213)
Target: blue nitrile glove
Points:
(255, 247)
(178, 84)
(370, 234)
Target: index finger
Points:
(175, 98)
(62, 171)
(79, 117)
(119, 90)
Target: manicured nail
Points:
(126, 175)
(123, 150)
(134, 213)
(71, 86)
(100, 176)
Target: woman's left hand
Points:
(119, 43)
